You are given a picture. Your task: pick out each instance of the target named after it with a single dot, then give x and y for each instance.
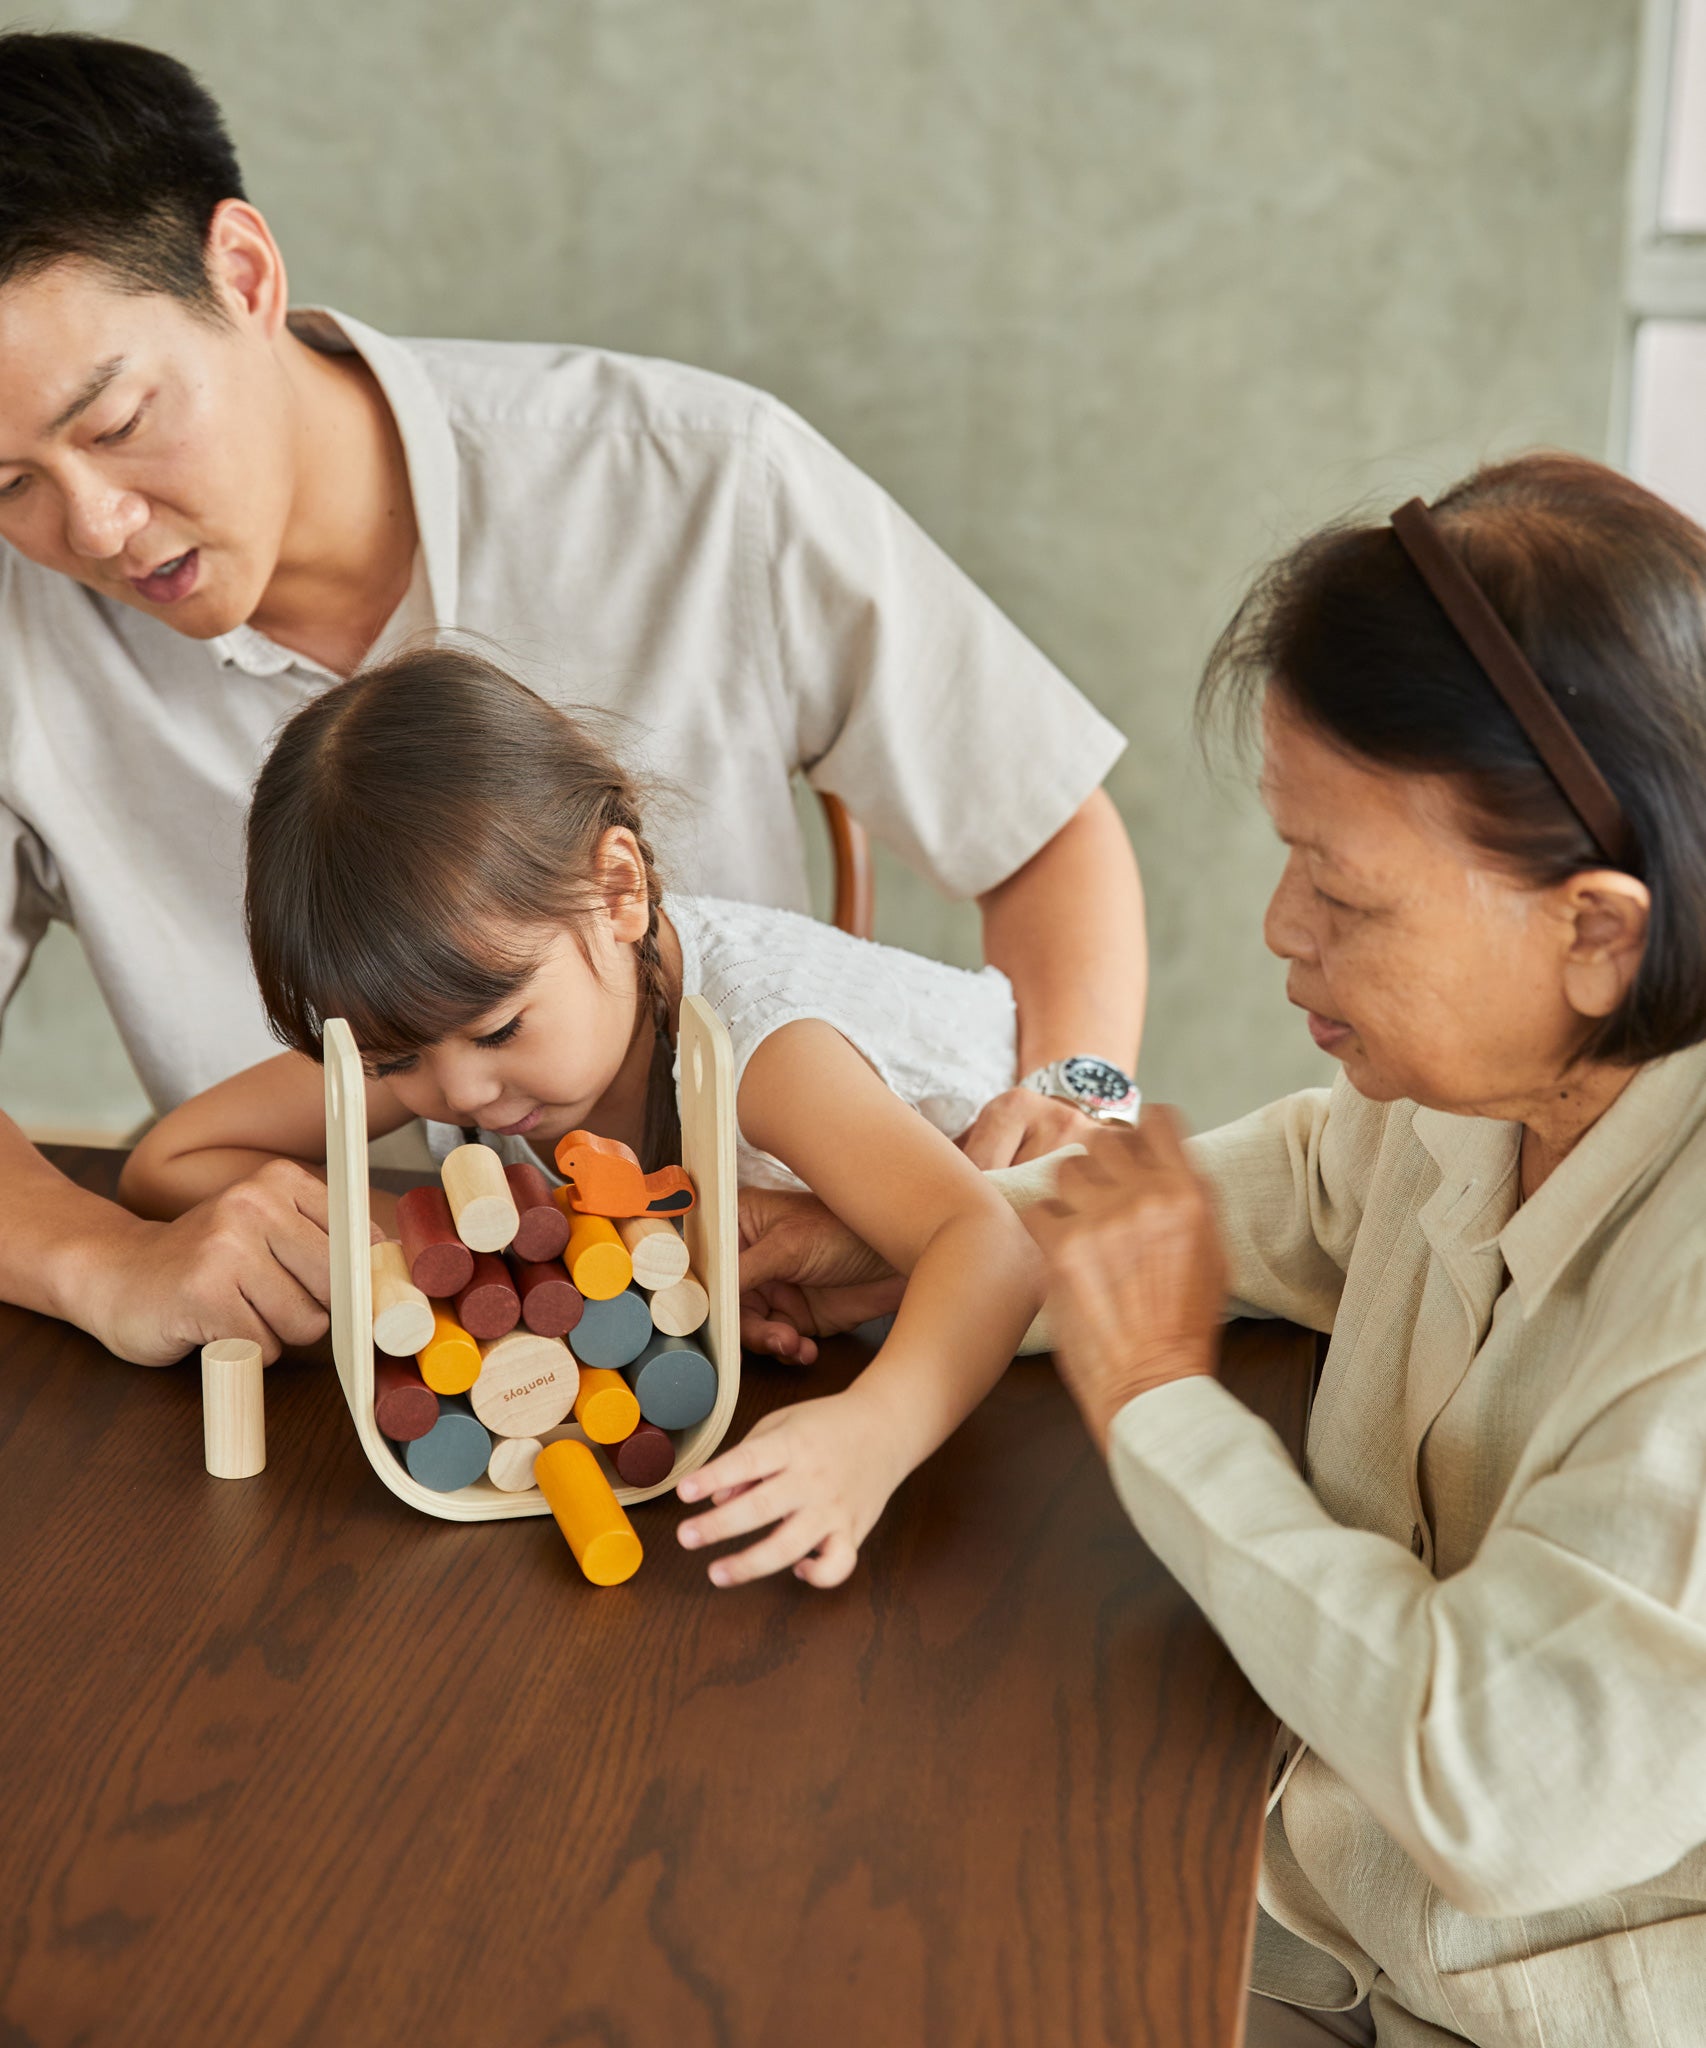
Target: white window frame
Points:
(1664, 275)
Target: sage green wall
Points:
(1114, 295)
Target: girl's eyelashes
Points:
(388, 1070)
(502, 1035)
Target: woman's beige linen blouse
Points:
(1484, 1617)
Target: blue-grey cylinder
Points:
(612, 1333)
(674, 1383)
(454, 1452)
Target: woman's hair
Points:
(1603, 586)
(406, 827)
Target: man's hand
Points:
(1137, 1278)
(804, 1275)
(1023, 1125)
(254, 1261)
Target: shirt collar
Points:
(1627, 1149)
(429, 450)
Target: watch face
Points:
(1095, 1080)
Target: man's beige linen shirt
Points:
(632, 535)
(1484, 1616)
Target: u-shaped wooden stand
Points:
(708, 1153)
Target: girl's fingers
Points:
(754, 1507)
(830, 1564)
(786, 1544)
(759, 1457)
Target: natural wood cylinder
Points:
(526, 1384)
(402, 1315)
(511, 1467)
(657, 1250)
(480, 1201)
(233, 1408)
(588, 1513)
(680, 1309)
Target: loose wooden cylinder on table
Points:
(646, 1458)
(439, 1263)
(489, 1306)
(233, 1408)
(543, 1229)
(674, 1383)
(596, 1257)
(612, 1333)
(510, 1468)
(656, 1249)
(526, 1384)
(551, 1303)
(402, 1315)
(404, 1406)
(480, 1200)
(450, 1361)
(605, 1406)
(588, 1513)
(454, 1452)
(680, 1309)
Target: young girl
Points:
(461, 872)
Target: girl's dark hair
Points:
(402, 821)
(1604, 587)
(114, 153)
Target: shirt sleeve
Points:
(30, 897)
(1528, 1730)
(1289, 1182)
(914, 699)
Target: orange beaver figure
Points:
(607, 1181)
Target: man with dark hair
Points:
(214, 508)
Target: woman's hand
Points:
(1137, 1278)
(821, 1472)
(804, 1274)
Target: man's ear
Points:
(624, 885)
(245, 267)
(1608, 915)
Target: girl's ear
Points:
(1608, 916)
(624, 885)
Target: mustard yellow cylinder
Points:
(596, 1257)
(605, 1406)
(588, 1513)
(450, 1359)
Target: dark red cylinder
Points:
(489, 1306)
(645, 1458)
(551, 1303)
(544, 1228)
(440, 1264)
(404, 1406)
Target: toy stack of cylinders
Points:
(514, 1323)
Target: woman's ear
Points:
(1608, 915)
(624, 885)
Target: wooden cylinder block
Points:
(440, 1264)
(479, 1197)
(656, 1249)
(526, 1384)
(511, 1466)
(681, 1309)
(489, 1306)
(551, 1303)
(544, 1229)
(450, 1361)
(596, 1257)
(454, 1452)
(646, 1458)
(674, 1383)
(588, 1513)
(402, 1315)
(613, 1333)
(404, 1406)
(605, 1406)
(233, 1408)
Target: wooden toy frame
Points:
(708, 1153)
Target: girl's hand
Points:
(821, 1472)
(1137, 1278)
(804, 1275)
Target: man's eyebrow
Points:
(85, 398)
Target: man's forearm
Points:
(1067, 930)
(53, 1234)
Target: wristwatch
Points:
(1097, 1087)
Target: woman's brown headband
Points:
(1507, 668)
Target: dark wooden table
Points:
(283, 1762)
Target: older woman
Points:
(1482, 1616)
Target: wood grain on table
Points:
(283, 1762)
